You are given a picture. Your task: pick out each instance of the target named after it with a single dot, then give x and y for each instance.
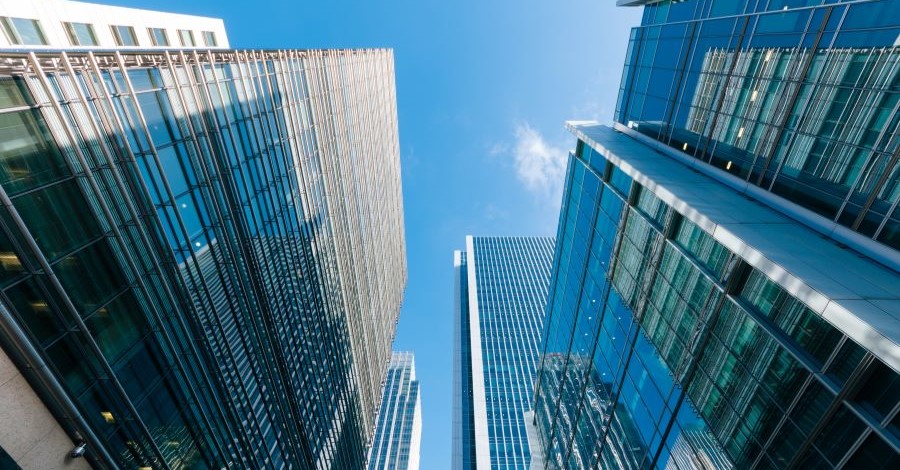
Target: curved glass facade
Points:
(189, 244)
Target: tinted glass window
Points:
(58, 217)
(28, 157)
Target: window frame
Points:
(118, 36)
(209, 38)
(73, 36)
(15, 37)
(190, 34)
(153, 39)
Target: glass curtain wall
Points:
(799, 98)
(663, 349)
(189, 248)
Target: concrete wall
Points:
(28, 432)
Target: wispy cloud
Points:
(500, 148)
(539, 165)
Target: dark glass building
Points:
(202, 254)
(725, 289)
(501, 292)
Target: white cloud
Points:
(539, 165)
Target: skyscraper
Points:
(725, 290)
(398, 431)
(202, 252)
(501, 291)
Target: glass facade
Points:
(666, 349)
(189, 245)
(398, 431)
(463, 414)
(799, 98)
(502, 290)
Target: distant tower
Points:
(501, 291)
(398, 432)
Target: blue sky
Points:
(483, 89)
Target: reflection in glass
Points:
(28, 157)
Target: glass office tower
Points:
(398, 432)
(725, 292)
(501, 290)
(202, 253)
(796, 98)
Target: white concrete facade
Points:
(54, 17)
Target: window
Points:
(29, 158)
(124, 35)
(23, 31)
(209, 39)
(81, 34)
(187, 37)
(158, 36)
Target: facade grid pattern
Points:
(398, 430)
(797, 98)
(206, 248)
(664, 349)
(506, 291)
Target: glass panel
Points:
(159, 37)
(187, 37)
(11, 93)
(125, 35)
(874, 454)
(117, 327)
(71, 363)
(652, 206)
(158, 114)
(620, 181)
(702, 246)
(141, 368)
(838, 434)
(24, 31)
(34, 310)
(81, 34)
(91, 276)
(880, 392)
(11, 266)
(209, 38)
(28, 156)
(846, 361)
(58, 218)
